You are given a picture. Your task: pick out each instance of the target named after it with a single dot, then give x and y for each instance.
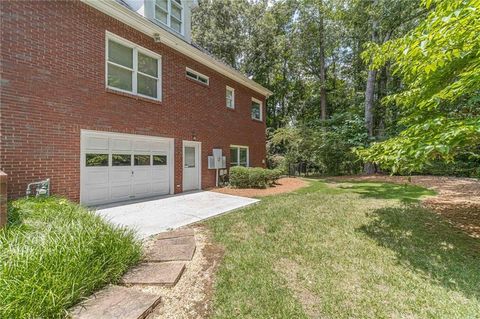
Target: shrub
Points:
(239, 177)
(253, 177)
(55, 253)
(272, 176)
(257, 177)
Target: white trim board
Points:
(140, 23)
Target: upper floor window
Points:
(194, 75)
(230, 97)
(170, 13)
(256, 109)
(132, 69)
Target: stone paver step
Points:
(154, 274)
(171, 249)
(116, 302)
(189, 232)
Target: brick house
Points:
(111, 101)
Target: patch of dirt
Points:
(291, 271)
(191, 296)
(458, 199)
(284, 185)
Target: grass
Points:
(54, 253)
(356, 250)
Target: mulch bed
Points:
(458, 199)
(284, 185)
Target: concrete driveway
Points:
(154, 215)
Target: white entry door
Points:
(191, 165)
(116, 167)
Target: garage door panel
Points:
(160, 146)
(141, 146)
(118, 178)
(121, 144)
(142, 174)
(160, 173)
(96, 143)
(96, 176)
(142, 189)
(97, 194)
(120, 175)
(120, 192)
(159, 188)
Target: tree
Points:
(439, 63)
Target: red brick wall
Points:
(53, 85)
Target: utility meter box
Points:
(217, 161)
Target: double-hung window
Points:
(132, 69)
(230, 97)
(170, 13)
(238, 155)
(256, 109)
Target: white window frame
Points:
(261, 109)
(198, 75)
(136, 48)
(230, 89)
(238, 147)
(170, 16)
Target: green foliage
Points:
(239, 177)
(253, 177)
(54, 253)
(327, 149)
(463, 166)
(439, 62)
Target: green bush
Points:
(54, 253)
(239, 177)
(257, 177)
(272, 176)
(253, 177)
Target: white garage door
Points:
(117, 167)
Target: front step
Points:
(154, 274)
(116, 302)
(171, 249)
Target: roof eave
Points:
(140, 23)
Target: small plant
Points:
(253, 177)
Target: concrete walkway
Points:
(154, 215)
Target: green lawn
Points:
(359, 250)
(53, 253)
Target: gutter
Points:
(140, 23)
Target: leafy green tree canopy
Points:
(439, 62)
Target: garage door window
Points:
(93, 160)
(121, 160)
(159, 160)
(141, 160)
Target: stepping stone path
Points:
(117, 302)
(164, 263)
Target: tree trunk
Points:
(369, 101)
(370, 168)
(323, 84)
